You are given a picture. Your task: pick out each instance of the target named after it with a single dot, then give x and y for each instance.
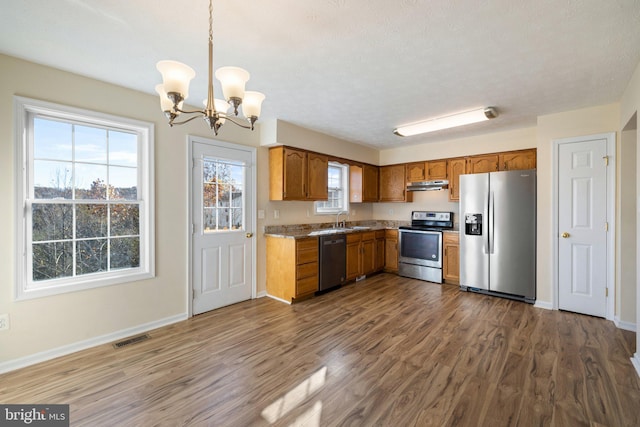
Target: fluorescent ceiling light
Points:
(453, 120)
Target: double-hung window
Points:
(84, 199)
(338, 186)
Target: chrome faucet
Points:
(342, 224)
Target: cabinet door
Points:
(355, 184)
(456, 167)
(370, 183)
(451, 264)
(317, 173)
(437, 169)
(379, 263)
(392, 184)
(368, 249)
(416, 171)
(481, 164)
(353, 256)
(295, 174)
(391, 251)
(517, 160)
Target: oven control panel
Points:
(431, 216)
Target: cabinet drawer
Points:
(306, 286)
(306, 256)
(368, 235)
(380, 234)
(307, 244)
(353, 237)
(450, 238)
(391, 233)
(307, 270)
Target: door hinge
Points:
(193, 228)
(606, 160)
(606, 292)
(606, 226)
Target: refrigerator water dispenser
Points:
(473, 224)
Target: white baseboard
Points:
(279, 299)
(261, 294)
(543, 304)
(627, 326)
(43, 356)
(636, 362)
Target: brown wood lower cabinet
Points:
(451, 259)
(292, 267)
(391, 251)
(365, 253)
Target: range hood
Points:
(428, 185)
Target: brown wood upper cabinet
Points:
(455, 167)
(483, 163)
(517, 160)
(426, 171)
(393, 185)
(416, 171)
(436, 169)
(505, 161)
(297, 174)
(363, 183)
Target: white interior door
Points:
(582, 225)
(222, 198)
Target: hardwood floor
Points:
(385, 351)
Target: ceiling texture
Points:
(352, 69)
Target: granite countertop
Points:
(301, 231)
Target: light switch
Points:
(260, 213)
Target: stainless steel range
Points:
(420, 254)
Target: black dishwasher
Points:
(333, 261)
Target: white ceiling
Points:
(353, 69)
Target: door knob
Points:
(565, 235)
(249, 235)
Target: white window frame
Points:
(320, 208)
(25, 287)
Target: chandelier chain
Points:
(211, 20)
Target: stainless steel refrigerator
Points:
(498, 234)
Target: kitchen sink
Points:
(338, 230)
(329, 231)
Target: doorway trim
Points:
(610, 137)
(252, 220)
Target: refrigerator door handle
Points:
(491, 224)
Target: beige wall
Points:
(45, 324)
(629, 107)
(586, 121)
(48, 323)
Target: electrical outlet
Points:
(4, 321)
(276, 214)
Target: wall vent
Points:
(132, 340)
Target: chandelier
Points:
(174, 90)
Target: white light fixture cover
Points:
(446, 122)
(221, 106)
(252, 104)
(176, 77)
(232, 80)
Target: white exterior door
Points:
(222, 198)
(582, 226)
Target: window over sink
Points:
(338, 184)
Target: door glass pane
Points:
(222, 195)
